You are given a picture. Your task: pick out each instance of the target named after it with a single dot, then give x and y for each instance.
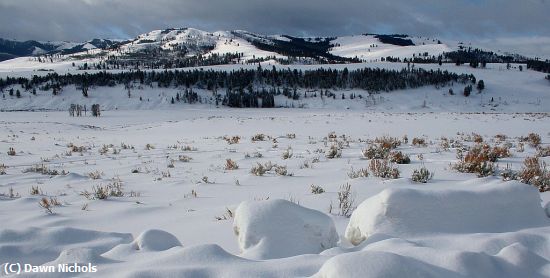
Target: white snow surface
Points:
(273, 229)
(160, 229)
(370, 49)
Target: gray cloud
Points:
(86, 19)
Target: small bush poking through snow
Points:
(287, 153)
(478, 160)
(346, 200)
(361, 173)
(229, 214)
(282, 171)
(46, 205)
(422, 175)
(3, 169)
(44, 170)
(382, 168)
(35, 190)
(375, 151)
(11, 151)
(95, 175)
(419, 142)
(258, 137)
(258, 170)
(232, 140)
(532, 138)
(315, 189)
(541, 152)
(508, 174)
(333, 152)
(100, 192)
(535, 173)
(184, 158)
(188, 148)
(387, 142)
(399, 158)
(231, 164)
(149, 147)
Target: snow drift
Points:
(404, 212)
(279, 228)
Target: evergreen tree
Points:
(480, 85)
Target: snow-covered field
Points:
(180, 217)
(154, 189)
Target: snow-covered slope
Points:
(370, 48)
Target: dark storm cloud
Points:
(85, 19)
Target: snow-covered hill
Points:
(192, 42)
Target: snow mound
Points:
(156, 240)
(401, 258)
(403, 212)
(41, 245)
(80, 256)
(279, 228)
(378, 264)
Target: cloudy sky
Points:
(79, 20)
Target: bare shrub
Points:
(232, 140)
(11, 194)
(11, 151)
(419, 142)
(476, 138)
(480, 160)
(501, 137)
(149, 147)
(382, 168)
(95, 175)
(229, 214)
(3, 169)
(346, 200)
(333, 152)
(399, 158)
(282, 170)
(102, 192)
(46, 205)
(388, 142)
(184, 158)
(35, 190)
(258, 137)
(192, 194)
(360, 173)
(188, 148)
(422, 175)
(315, 189)
(541, 152)
(231, 164)
(533, 139)
(534, 172)
(508, 174)
(376, 151)
(76, 149)
(254, 154)
(287, 153)
(258, 170)
(291, 136)
(444, 144)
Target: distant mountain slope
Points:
(187, 42)
(10, 49)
